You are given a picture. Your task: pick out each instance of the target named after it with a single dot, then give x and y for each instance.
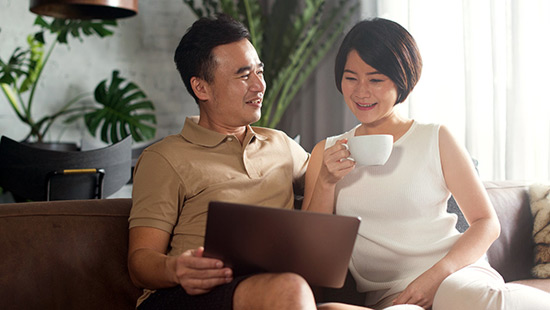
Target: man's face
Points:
(234, 97)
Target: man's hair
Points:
(386, 46)
(193, 56)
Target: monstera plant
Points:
(120, 108)
(291, 38)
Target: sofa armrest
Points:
(66, 255)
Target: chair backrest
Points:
(24, 170)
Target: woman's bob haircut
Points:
(386, 46)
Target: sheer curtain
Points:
(486, 76)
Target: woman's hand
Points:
(336, 162)
(326, 167)
(422, 290)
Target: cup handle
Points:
(347, 158)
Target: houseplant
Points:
(291, 37)
(120, 108)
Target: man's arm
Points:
(151, 268)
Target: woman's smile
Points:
(366, 106)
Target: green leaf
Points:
(229, 8)
(120, 110)
(63, 28)
(15, 67)
(253, 20)
(39, 36)
(35, 64)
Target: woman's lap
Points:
(481, 287)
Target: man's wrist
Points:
(170, 269)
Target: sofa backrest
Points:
(69, 256)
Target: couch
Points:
(72, 254)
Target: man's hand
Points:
(198, 274)
(151, 268)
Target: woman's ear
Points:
(200, 88)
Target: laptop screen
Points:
(253, 239)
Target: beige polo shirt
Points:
(176, 178)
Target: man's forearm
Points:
(152, 270)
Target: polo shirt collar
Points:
(199, 135)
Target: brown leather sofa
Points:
(72, 254)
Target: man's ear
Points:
(200, 88)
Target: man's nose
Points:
(258, 83)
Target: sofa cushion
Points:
(66, 255)
(512, 253)
(539, 195)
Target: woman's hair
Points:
(193, 56)
(386, 46)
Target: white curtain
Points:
(486, 76)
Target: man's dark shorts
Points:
(220, 298)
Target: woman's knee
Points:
(470, 288)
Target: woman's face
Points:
(369, 94)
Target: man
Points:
(218, 156)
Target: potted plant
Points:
(120, 106)
(291, 37)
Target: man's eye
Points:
(246, 76)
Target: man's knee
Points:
(274, 291)
(290, 286)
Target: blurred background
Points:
(485, 75)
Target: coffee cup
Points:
(370, 150)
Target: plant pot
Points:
(54, 146)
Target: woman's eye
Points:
(376, 80)
(349, 78)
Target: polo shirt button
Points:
(229, 139)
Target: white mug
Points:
(370, 150)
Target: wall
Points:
(141, 49)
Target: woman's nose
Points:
(363, 90)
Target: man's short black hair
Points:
(193, 55)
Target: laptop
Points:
(252, 239)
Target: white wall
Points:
(141, 49)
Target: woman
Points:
(407, 249)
